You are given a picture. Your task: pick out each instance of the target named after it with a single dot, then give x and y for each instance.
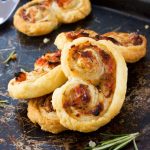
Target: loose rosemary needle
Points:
(3, 103)
(11, 56)
(135, 146)
(117, 143)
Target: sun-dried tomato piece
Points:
(62, 2)
(20, 76)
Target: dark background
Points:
(140, 7)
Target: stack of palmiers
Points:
(82, 86)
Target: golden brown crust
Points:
(131, 45)
(44, 79)
(83, 107)
(40, 111)
(35, 18)
(67, 37)
(83, 61)
(69, 11)
(40, 17)
(37, 84)
(48, 61)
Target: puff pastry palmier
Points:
(80, 105)
(36, 18)
(69, 11)
(82, 60)
(67, 37)
(40, 111)
(131, 45)
(46, 77)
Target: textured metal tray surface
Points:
(140, 7)
(17, 132)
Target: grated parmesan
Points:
(45, 40)
(146, 26)
(92, 144)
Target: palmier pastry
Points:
(82, 60)
(36, 18)
(131, 45)
(40, 111)
(67, 37)
(69, 11)
(46, 77)
(40, 17)
(95, 91)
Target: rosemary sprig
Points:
(11, 56)
(112, 135)
(135, 146)
(3, 103)
(117, 143)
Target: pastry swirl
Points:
(131, 45)
(67, 37)
(40, 111)
(79, 102)
(83, 60)
(40, 17)
(36, 18)
(83, 105)
(44, 79)
(69, 11)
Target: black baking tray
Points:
(140, 7)
(18, 133)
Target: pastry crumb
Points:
(146, 26)
(92, 144)
(22, 70)
(46, 40)
(2, 141)
(14, 57)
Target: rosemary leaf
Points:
(112, 135)
(117, 143)
(10, 56)
(102, 147)
(120, 138)
(135, 134)
(135, 146)
(111, 148)
(3, 103)
(114, 140)
(122, 145)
